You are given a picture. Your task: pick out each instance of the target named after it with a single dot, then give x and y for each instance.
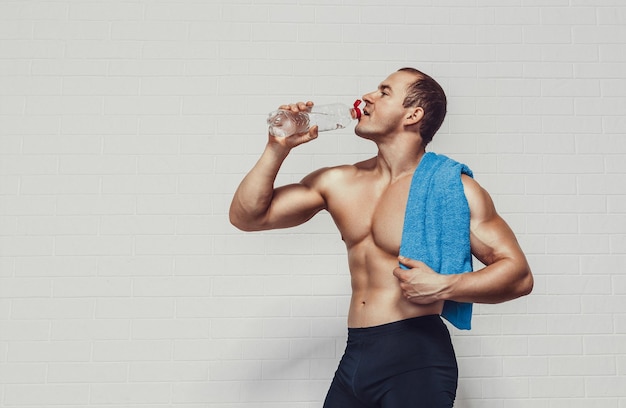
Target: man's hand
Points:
(420, 284)
(296, 139)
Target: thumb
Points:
(411, 263)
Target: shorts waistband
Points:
(393, 327)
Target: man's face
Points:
(383, 113)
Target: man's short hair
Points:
(426, 93)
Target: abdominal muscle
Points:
(368, 210)
(376, 294)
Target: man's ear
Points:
(414, 115)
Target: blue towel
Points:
(436, 225)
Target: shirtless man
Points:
(399, 352)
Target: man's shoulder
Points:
(339, 175)
(347, 170)
(478, 198)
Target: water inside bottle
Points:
(325, 121)
(282, 123)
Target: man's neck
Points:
(399, 158)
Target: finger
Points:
(411, 263)
(406, 288)
(289, 107)
(297, 106)
(304, 106)
(401, 274)
(404, 260)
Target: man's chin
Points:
(362, 132)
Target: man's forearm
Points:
(254, 195)
(504, 280)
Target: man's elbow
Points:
(244, 222)
(526, 283)
(241, 224)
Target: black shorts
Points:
(405, 364)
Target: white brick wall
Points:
(125, 127)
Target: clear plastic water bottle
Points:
(327, 117)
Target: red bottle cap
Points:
(357, 111)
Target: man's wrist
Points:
(451, 290)
(278, 149)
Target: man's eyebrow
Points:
(385, 87)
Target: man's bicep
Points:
(491, 237)
(293, 205)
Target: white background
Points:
(125, 127)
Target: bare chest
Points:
(365, 212)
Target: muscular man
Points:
(399, 352)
